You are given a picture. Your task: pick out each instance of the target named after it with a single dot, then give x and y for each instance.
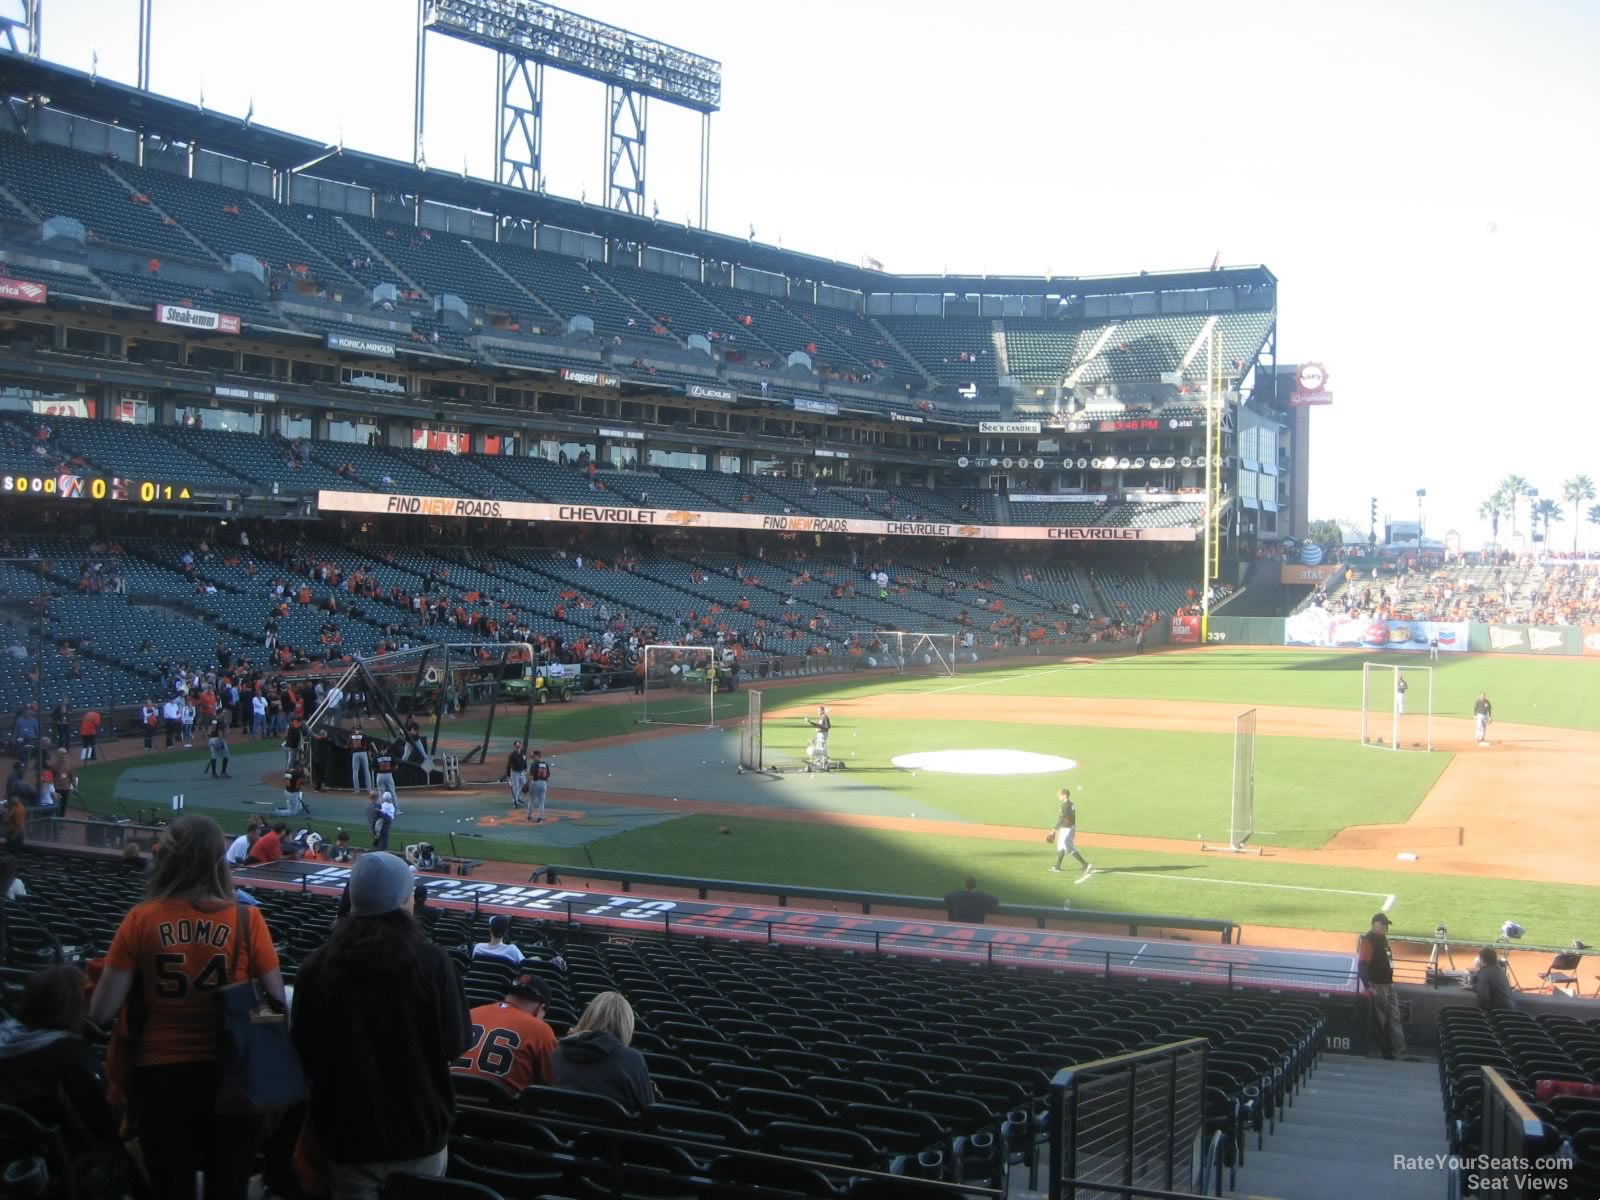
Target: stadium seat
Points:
(405, 1186)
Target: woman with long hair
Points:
(379, 1015)
(595, 1055)
(189, 939)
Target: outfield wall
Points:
(1550, 641)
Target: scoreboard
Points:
(116, 489)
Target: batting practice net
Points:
(907, 652)
(1242, 803)
(682, 685)
(750, 736)
(1397, 707)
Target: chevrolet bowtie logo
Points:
(681, 517)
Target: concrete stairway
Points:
(1347, 1124)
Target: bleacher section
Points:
(54, 182)
(338, 257)
(939, 345)
(849, 1062)
(111, 642)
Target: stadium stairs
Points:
(1347, 1124)
(1263, 593)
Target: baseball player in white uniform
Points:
(1065, 833)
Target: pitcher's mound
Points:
(983, 762)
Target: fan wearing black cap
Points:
(1375, 965)
(511, 1041)
(379, 1017)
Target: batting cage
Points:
(751, 754)
(1396, 707)
(432, 710)
(906, 652)
(683, 684)
(1242, 798)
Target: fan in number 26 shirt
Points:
(511, 1043)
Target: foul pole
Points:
(1212, 532)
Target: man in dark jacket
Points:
(379, 1016)
(969, 905)
(1375, 965)
(1490, 983)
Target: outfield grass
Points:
(1561, 692)
(1533, 691)
(1135, 781)
(1125, 881)
(1128, 781)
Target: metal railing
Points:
(783, 893)
(1511, 1161)
(1131, 1121)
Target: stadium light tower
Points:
(530, 35)
(19, 26)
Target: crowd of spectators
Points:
(130, 1046)
(1505, 590)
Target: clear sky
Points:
(1421, 176)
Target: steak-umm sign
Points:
(471, 508)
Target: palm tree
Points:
(1575, 491)
(1513, 488)
(1546, 510)
(1593, 515)
(1491, 510)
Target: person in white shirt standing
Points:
(172, 715)
(186, 718)
(258, 716)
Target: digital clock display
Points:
(115, 488)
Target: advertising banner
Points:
(1008, 427)
(1319, 627)
(618, 514)
(1300, 573)
(350, 344)
(23, 291)
(1528, 639)
(1591, 639)
(826, 407)
(196, 318)
(704, 391)
(1310, 386)
(590, 378)
(1185, 630)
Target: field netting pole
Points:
(1242, 798)
(1394, 706)
(752, 756)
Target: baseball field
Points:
(1467, 835)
